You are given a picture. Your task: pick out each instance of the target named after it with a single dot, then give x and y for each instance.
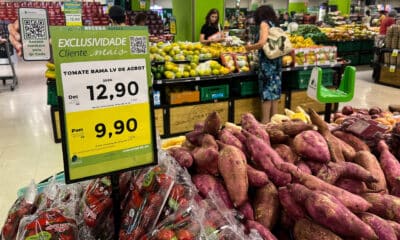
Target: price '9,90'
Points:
(132, 88)
(119, 127)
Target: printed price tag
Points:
(395, 52)
(104, 81)
(392, 68)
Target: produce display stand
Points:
(383, 73)
(6, 52)
(230, 99)
(359, 52)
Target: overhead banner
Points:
(103, 78)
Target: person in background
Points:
(387, 22)
(15, 37)
(382, 15)
(117, 15)
(140, 19)
(285, 21)
(367, 19)
(211, 31)
(270, 70)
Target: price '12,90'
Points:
(119, 127)
(132, 88)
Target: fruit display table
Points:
(230, 95)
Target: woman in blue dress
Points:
(270, 70)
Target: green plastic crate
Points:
(52, 93)
(353, 58)
(248, 88)
(366, 58)
(299, 79)
(367, 45)
(348, 46)
(327, 77)
(214, 92)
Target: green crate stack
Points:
(214, 92)
(349, 46)
(248, 88)
(366, 58)
(52, 93)
(327, 77)
(354, 58)
(299, 79)
(367, 45)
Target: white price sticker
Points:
(392, 68)
(91, 85)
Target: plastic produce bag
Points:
(24, 205)
(49, 224)
(150, 189)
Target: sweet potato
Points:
(352, 140)
(380, 226)
(384, 205)
(228, 138)
(368, 161)
(277, 136)
(314, 166)
(206, 183)
(250, 124)
(286, 153)
(311, 145)
(188, 145)
(212, 124)
(348, 151)
(353, 186)
(247, 210)
(256, 178)
(305, 229)
(232, 166)
(331, 213)
(266, 158)
(353, 202)
(333, 171)
(263, 231)
(206, 160)
(292, 128)
(266, 205)
(396, 228)
(334, 146)
(195, 137)
(182, 156)
(294, 210)
(391, 167)
(303, 166)
(199, 126)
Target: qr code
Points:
(138, 45)
(34, 29)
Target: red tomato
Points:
(177, 192)
(184, 234)
(165, 234)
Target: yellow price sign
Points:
(395, 52)
(392, 68)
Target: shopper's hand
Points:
(248, 47)
(15, 37)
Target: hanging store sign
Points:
(103, 78)
(73, 13)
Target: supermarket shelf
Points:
(385, 50)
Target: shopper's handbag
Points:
(278, 43)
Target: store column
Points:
(343, 5)
(298, 6)
(190, 16)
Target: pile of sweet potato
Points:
(296, 179)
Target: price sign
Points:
(395, 52)
(73, 13)
(392, 68)
(103, 77)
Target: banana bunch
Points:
(299, 113)
(301, 42)
(51, 71)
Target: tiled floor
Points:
(27, 149)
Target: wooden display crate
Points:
(159, 119)
(391, 78)
(300, 98)
(182, 119)
(253, 105)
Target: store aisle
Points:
(27, 149)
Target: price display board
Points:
(73, 13)
(103, 79)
